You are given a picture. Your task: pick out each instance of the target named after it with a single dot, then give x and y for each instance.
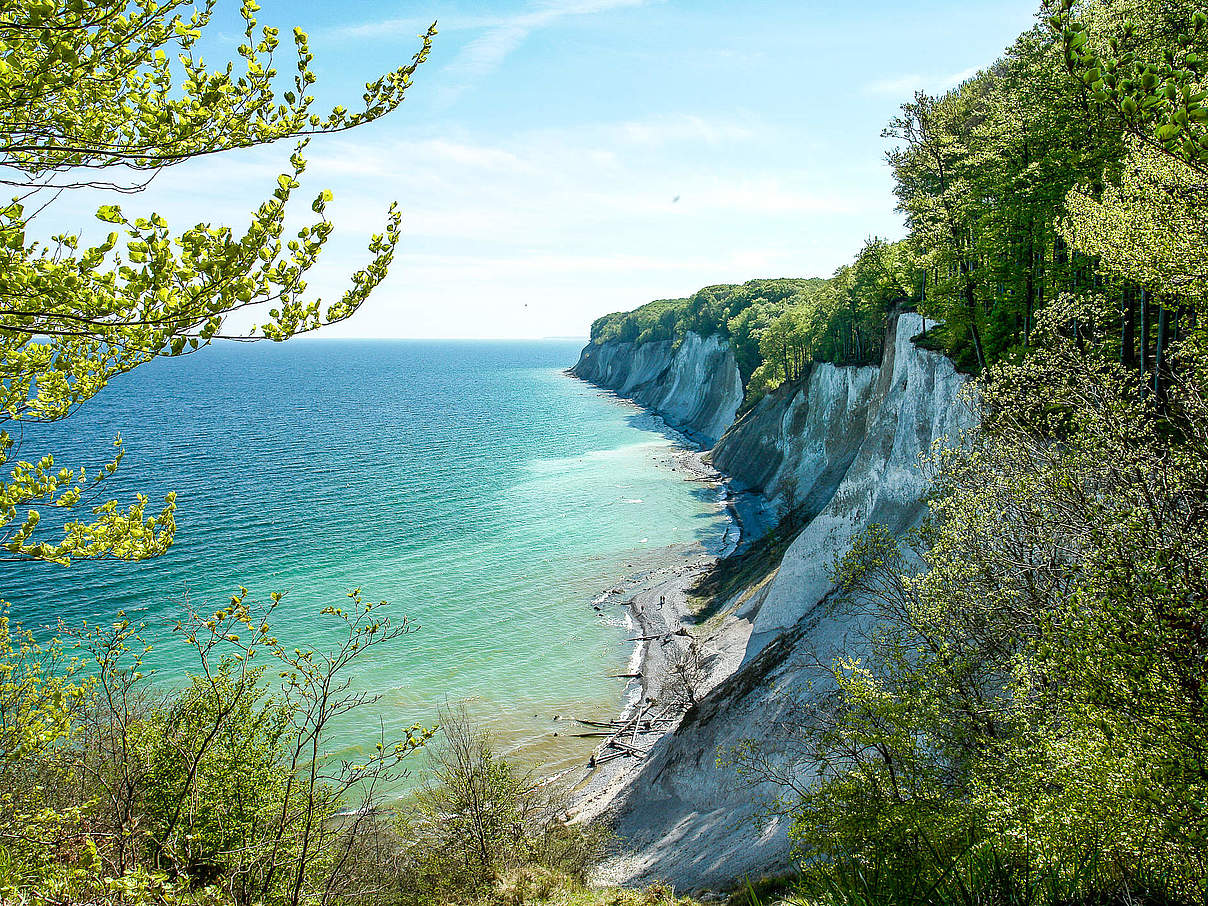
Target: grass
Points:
(979, 877)
(538, 887)
(767, 889)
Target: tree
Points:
(931, 168)
(477, 818)
(90, 97)
(1022, 684)
(1142, 67)
(1148, 227)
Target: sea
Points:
(486, 495)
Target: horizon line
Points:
(379, 339)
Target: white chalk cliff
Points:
(840, 451)
(694, 386)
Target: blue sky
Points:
(540, 152)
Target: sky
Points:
(556, 160)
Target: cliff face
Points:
(844, 447)
(696, 388)
(840, 449)
(792, 448)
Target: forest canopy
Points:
(1020, 712)
(1071, 165)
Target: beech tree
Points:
(935, 192)
(1143, 69)
(1150, 226)
(104, 94)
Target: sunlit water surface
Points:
(481, 491)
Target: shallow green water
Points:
(485, 494)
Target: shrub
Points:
(478, 821)
(115, 791)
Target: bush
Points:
(117, 792)
(479, 825)
(1019, 714)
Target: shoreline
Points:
(657, 607)
(671, 666)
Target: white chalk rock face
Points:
(696, 387)
(795, 445)
(839, 451)
(913, 402)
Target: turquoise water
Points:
(485, 494)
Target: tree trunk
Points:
(1128, 327)
(971, 305)
(1029, 284)
(1146, 331)
(1159, 362)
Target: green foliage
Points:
(1144, 70)
(972, 876)
(96, 91)
(739, 313)
(653, 322)
(41, 698)
(778, 327)
(1149, 226)
(222, 791)
(1018, 715)
(57, 111)
(841, 320)
(1021, 705)
(534, 886)
(981, 175)
(478, 823)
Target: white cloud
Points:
(540, 264)
(428, 157)
(772, 196)
(410, 26)
(536, 15)
(663, 130)
(537, 232)
(484, 54)
(502, 34)
(905, 86)
(543, 189)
